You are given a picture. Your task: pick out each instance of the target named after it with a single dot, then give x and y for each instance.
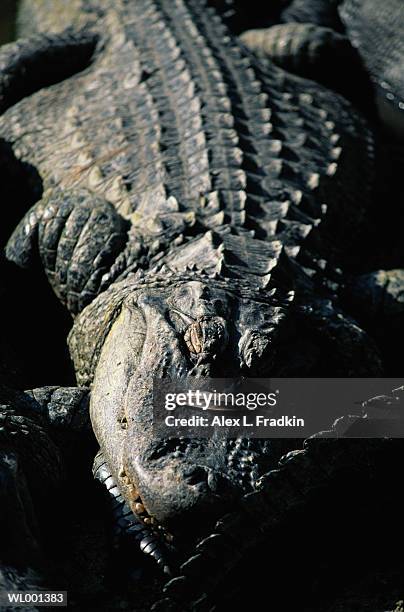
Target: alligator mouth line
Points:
(135, 503)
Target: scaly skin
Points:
(319, 12)
(376, 29)
(12, 579)
(32, 424)
(30, 470)
(305, 44)
(314, 52)
(188, 193)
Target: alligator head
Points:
(173, 328)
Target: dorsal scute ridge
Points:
(229, 255)
(270, 109)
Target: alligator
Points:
(196, 207)
(372, 27)
(32, 471)
(316, 38)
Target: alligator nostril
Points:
(196, 476)
(218, 483)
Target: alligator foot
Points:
(39, 61)
(133, 525)
(85, 242)
(78, 238)
(316, 53)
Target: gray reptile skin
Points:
(376, 29)
(30, 469)
(189, 193)
(314, 52)
(373, 31)
(37, 428)
(319, 12)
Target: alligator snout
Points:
(178, 482)
(181, 490)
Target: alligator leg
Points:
(84, 243)
(316, 53)
(39, 61)
(128, 524)
(78, 238)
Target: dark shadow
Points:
(241, 15)
(33, 350)
(8, 13)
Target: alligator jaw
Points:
(142, 345)
(180, 481)
(189, 488)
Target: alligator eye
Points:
(208, 335)
(194, 338)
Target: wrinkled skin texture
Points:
(30, 470)
(175, 224)
(93, 226)
(376, 31)
(147, 341)
(318, 53)
(372, 30)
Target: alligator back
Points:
(180, 129)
